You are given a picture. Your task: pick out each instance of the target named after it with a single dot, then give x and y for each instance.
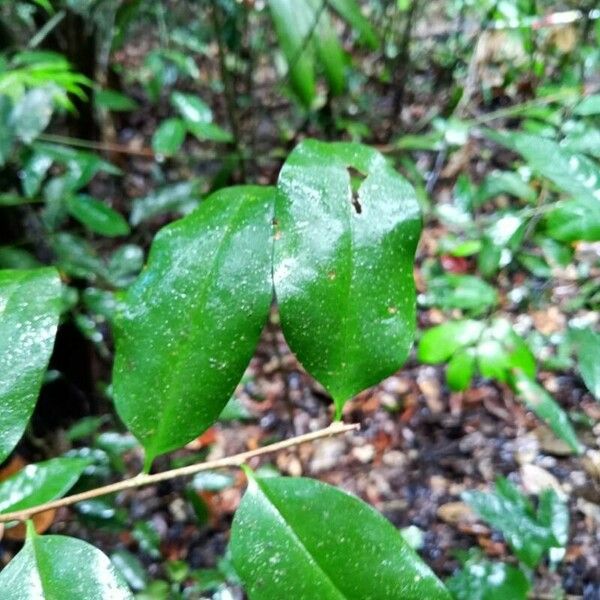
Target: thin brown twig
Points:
(100, 146)
(336, 428)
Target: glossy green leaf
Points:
(590, 105)
(124, 265)
(54, 567)
(8, 135)
(545, 407)
(504, 182)
(466, 292)
(528, 533)
(180, 198)
(343, 264)
(12, 257)
(574, 174)
(329, 50)
(190, 323)
(131, 568)
(587, 347)
(461, 369)
(29, 311)
(32, 113)
(33, 173)
(294, 20)
(513, 354)
(198, 118)
(441, 342)
(492, 360)
(350, 11)
(481, 579)
(303, 539)
(586, 141)
(97, 216)
(76, 257)
(209, 131)
(192, 108)
(114, 101)
(574, 220)
(169, 136)
(40, 482)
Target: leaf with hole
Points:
(346, 233)
(303, 539)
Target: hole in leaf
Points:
(356, 179)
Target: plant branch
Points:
(336, 428)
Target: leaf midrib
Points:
(165, 414)
(299, 541)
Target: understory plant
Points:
(334, 243)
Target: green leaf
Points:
(124, 265)
(585, 142)
(574, 220)
(55, 566)
(493, 360)
(192, 108)
(590, 105)
(114, 101)
(529, 535)
(8, 135)
(466, 292)
(190, 323)
(574, 174)
(209, 131)
(12, 257)
(76, 257)
(441, 342)
(29, 311)
(343, 264)
(131, 568)
(40, 482)
(481, 579)
(329, 51)
(32, 113)
(179, 197)
(169, 136)
(294, 20)
(350, 11)
(33, 173)
(545, 407)
(504, 182)
(97, 216)
(587, 347)
(300, 538)
(460, 370)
